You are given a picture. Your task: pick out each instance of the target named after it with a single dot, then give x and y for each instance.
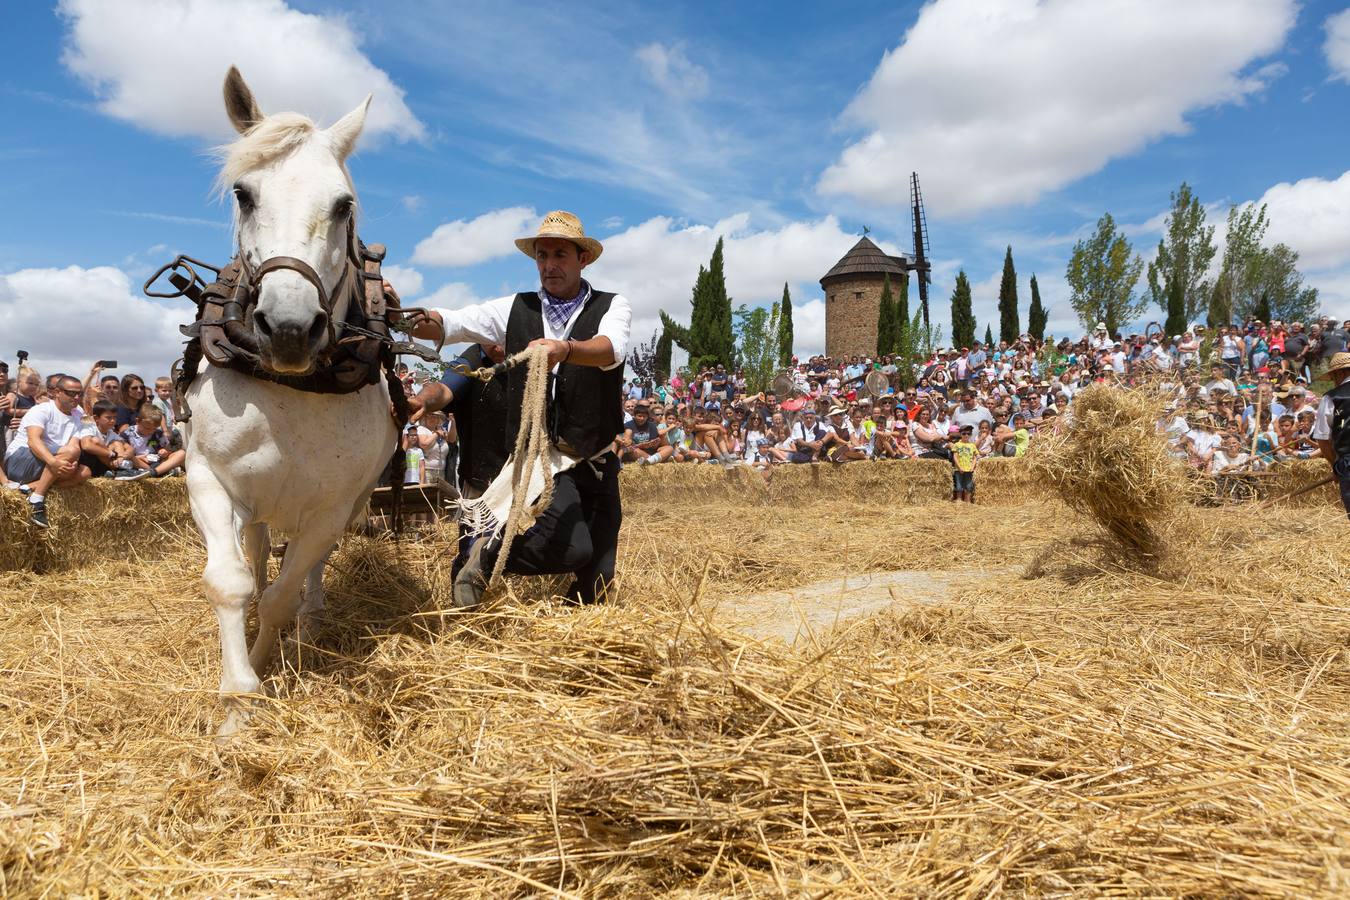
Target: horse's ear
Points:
(343, 133)
(239, 103)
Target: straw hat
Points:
(1338, 362)
(562, 224)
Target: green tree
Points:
(1009, 324)
(785, 329)
(1037, 314)
(1102, 276)
(1177, 277)
(1240, 282)
(709, 338)
(904, 366)
(1278, 289)
(663, 351)
(887, 321)
(757, 345)
(988, 335)
(963, 320)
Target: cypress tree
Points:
(1008, 325)
(963, 320)
(988, 336)
(663, 350)
(902, 329)
(785, 329)
(1037, 314)
(711, 339)
(886, 319)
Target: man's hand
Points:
(557, 350)
(61, 467)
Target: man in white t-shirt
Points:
(46, 452)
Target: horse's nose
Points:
(291, 342)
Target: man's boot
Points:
(472, 580)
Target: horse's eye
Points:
(343, 207)
(243, 198)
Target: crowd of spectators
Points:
(1241, 399)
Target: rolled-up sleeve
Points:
(482, 323)
(616, 324)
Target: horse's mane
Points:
(275, 137)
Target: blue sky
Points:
(786, 128)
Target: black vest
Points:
(587, 411)
(480, 424)
(1340, 419)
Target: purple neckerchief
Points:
(559, 311)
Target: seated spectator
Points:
(102, 448)
(710, 436)
(151, 447)
(130, 397)
(1229, 457)
(47, 455)
(808, 437)
(641, 436)
(671, 447)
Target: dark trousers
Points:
(578, 533)
(1341, 469)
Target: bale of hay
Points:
(1111, 461)
(98, 518)
(1006, 481)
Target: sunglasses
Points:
(67, 391)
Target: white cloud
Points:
(67, 318)
(405, 279)
(1337, 46)
(160, 64)
(672, 71)
(654, 264)
(468, 242)
(994, 103)
(412, 203)
(455, 295)
(1311, 215)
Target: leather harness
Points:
(359, 347)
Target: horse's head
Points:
(294, 212)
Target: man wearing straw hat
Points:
(1331, 429)
(586, 334)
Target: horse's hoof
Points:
(235, 721)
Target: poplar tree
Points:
(1178, 276)
(1102, 276)
(785, 329)
(1009, 326)
(963, 320)
(1037, 314)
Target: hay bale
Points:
(1006, 481)
(99, 518)
(1111, 461)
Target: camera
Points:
(22, 355)
(106, 363)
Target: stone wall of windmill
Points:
(853, 298)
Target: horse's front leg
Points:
(229, 586)
(281, 601)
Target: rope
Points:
(531, 450)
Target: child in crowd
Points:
(102, 448)
(151, 447)
(672, 439)
(414, 460)
(964, 453)
(164, 401)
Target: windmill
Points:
(922, 256)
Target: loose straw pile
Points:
(1111, 462)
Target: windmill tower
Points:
(853, 287)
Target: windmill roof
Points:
(866, 258)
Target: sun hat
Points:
(837, 411)
(562, 224)
(1338, 362)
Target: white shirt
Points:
(1321, 424)
(57, 427)
(485, 323)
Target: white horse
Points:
(261, 455)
